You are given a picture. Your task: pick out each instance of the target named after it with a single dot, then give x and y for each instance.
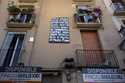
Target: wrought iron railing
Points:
(96, 58)
(118, 6)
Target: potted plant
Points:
(29, 10)
(13, 9)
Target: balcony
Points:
(19, 25)
(27, 1)
(118, 8)
(88, 18)
(82, 0)
(20, 17)
(96, 58)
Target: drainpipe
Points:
(35, 32)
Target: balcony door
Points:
(92, 47)
(90, 40)
(12, 48)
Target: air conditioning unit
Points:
(69, 63)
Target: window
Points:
(86, 14)
(122, 32)
(11, 48)
(122, 45)
(123, 22)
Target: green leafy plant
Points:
(29, 10)
(13, 9)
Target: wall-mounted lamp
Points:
(31, 39)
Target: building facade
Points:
(63, 37)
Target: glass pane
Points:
(11, 48)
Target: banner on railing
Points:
(103, 75)
(21, 69)
(20, 75)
